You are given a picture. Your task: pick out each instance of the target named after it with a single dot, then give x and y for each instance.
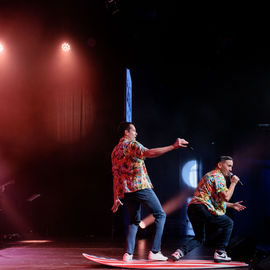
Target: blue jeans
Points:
(199, 216)
(133, 201)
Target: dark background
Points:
(199, 72)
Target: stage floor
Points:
(67, 254)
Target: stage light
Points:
(65, 47)
(1, 48)
(142, 224)
(112, 6)
(189, 228)
(190, 173)
(128, 105)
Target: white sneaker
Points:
(221, 256)
(177, 255)
(127, 257)
(156, 256)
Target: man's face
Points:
(225, 167)
(131, 133)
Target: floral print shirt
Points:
(128, 167)
(208, 192)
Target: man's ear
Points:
(219, 165)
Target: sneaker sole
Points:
(221, 261)
(175, 259)
(157, 260)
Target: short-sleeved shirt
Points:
(128, 167)
(208, 192)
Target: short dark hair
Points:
(223, 158)
(122, 127)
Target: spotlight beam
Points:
(169, 206)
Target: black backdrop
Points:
(196, 74)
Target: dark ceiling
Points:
(156, 31)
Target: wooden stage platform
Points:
(67, 254)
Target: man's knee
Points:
(229, 223)
(163, 215)
(160, 214)
(200, 240)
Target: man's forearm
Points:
(115, 189)
(229, 193)
(230, 205)
(156, 152)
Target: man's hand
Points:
(180, 143)
(234, 179)
(116, 204)
(238, 206)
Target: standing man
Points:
(132, 183)
(208, 206)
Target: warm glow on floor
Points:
(35, 241)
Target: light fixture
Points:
(65, 47)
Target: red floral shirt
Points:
(208, 192)
(128, 167)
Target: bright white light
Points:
(142, 224)
(128, 96)
(190, 173)
(65, 47)
(189, 229)
(1, 48)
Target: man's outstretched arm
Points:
(156, 152)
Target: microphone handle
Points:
(231, 174)
(190, 147)
(240, 182)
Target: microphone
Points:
(189, 147)
(231, 175)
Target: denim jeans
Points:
(134, 200)
(199, 216)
